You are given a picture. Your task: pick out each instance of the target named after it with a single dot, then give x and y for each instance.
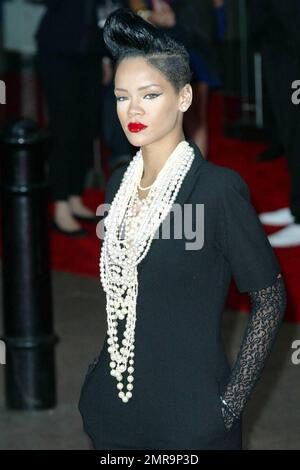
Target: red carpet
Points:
(269, 186)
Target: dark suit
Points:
(70, 47)
(275, 28)
(70, 26)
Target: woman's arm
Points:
(267, 311)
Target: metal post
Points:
(30, 381)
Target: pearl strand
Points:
(121, 255)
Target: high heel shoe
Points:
(81, 232)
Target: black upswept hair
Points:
(127, 34)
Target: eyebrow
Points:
(141, 88)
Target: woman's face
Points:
(157, 106)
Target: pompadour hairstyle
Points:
(127, 34)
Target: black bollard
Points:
(30, 381)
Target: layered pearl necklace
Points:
(130, 226)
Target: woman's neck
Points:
(155, 156)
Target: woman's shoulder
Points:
(221, 180)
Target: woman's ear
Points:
(185, 98)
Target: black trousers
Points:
(71, 85)
(281, 66)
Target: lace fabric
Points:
(267, 311)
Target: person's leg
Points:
(275, 148)
(287, 114)
(60, 88)
(89, 73)
(288, 117)
(292, 115)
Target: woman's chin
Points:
(136, 138)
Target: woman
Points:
(168, 294)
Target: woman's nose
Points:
(134, 109)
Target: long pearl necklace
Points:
(144, 189)
(129, 231)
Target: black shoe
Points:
(272, 152)
(71, 233)
(88, 218)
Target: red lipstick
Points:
(136, 126)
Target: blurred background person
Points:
(121, 151)
(200, 25)
(70, 49)
(256, 38)
(277, 29)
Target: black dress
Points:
(180, 365)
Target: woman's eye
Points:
(153, 95)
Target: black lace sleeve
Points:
(267, 311)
